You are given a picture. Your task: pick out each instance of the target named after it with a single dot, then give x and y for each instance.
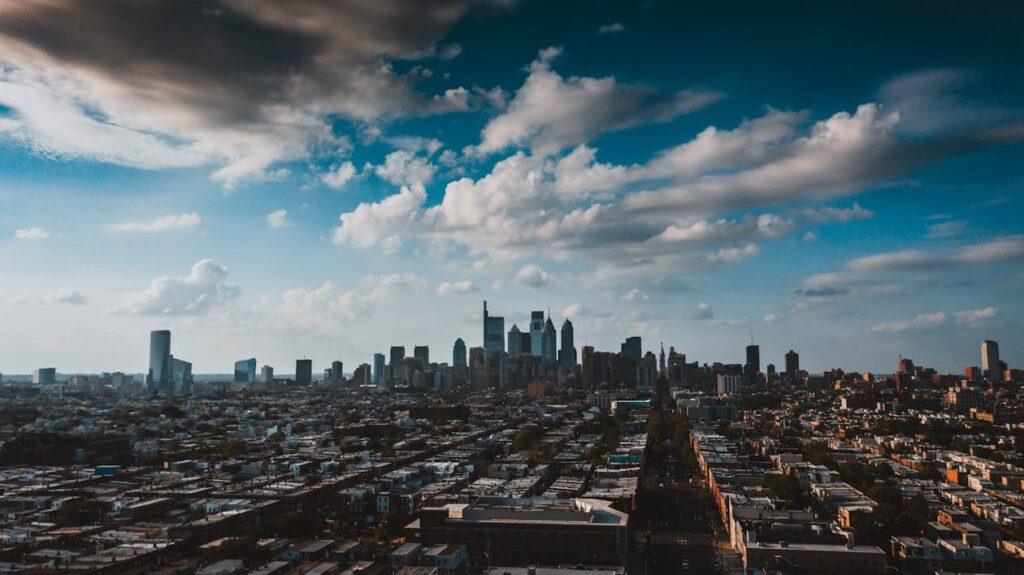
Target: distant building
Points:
(729, 384)
(587, 367)
(181, 376)
(632, 348)
(567, 354)
(792, 365)
(267, 375)
(754, 358)
(337, 371)
(549, 344)
(515, 342)
(422, 353)
(45, 376)
(536, 329)
(159, 375)
(378, 369)
(494, 334)
(362, 375)
(459, 353)
(245, 371)
(304, 372)
(990, 361)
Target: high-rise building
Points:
(549, 344)
(378, 368)
(729, 384)
(494, 333)
(159, 375)
(587, 367)
(361, 376)
(792, 365)
(304, 372)
(632, 348)
(536, 329)
(45, 376)
(459, 353)
(181, 376)
(337, 371)
(754, 358)
(396, 355)
(245, 371)
(515, 342)
(422, 353)
(267, 375)
(568, 351)
(990, 366)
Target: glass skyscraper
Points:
(494, 334)
(158, 378)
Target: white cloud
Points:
(1002, 249)
(703, 312)
(532, 276)
(550, 113)
(405, 168)
(68, 296)
(972, 317)
(278, 219)
(949, 229)
(159, 225)
(613, 28)
(204, 289)
(734, 254)
(381, 223)
(339, 175)
(458, 287)
(32, 234)
(844, 215)
(770, 318)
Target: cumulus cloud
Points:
(31, 234)
(277, 219)
(381, 223)
(406, 168)
(703, 312)
(532, 276)
(205, 288)
(327, 308)
(241, 85)
(454, 288)
(833, 214)
(550, 112)
(339, 175)
(158, 225)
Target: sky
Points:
(844, 179)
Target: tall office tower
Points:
(337, 371)
(459, 353)
(990, 361)
(568, 352)
(378, 368)
(631, 348)
(549, 344)
(536, 329)
(45, 376)
(361, 376)
(245, 371)
(181, 376)
(396, 355)
(754, 358)
(304, 372)
(515, 342)
(662, 367)
(494, 334)
(587, 367)
(770, 372)
(422, 353)
(906, 365)
(792, 365)
(159, 375)
(267, 375)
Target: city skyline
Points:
(656, 170)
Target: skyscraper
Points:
(267, 375)
(304, 372)
(245, 371)
(459, 353)
(536, 329)
(422, 352)
(792, 365)
(159, 375)
(515, 342)
(378, 368)
(568, 351)
(754, 358)
(632, 348)
(990, 366)
(549, 344)
(44, 376)
(337, 371)
(181, 376)
(494, 334)
(587, 367)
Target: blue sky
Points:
(842, 179)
